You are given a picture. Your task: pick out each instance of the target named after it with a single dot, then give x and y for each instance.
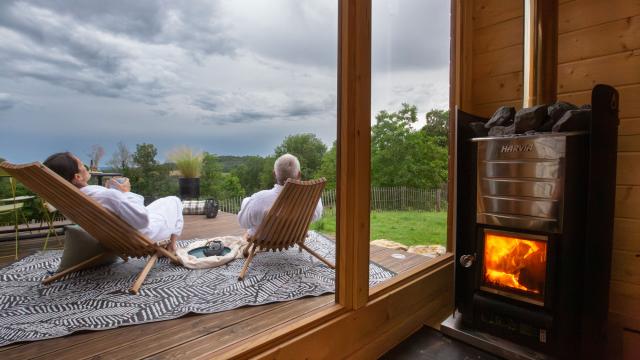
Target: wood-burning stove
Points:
(534, 224)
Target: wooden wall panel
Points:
(585, 74)
(486, 110)
(582, 14)
(628, 172)
(629, 143)
(626, 233)
(629, 103)
(498, 62)
(625, 298)
(629, 127)
(628, 202)
(498, 88)
(625, 267)
(498, 36)
(597, 41)
(631, 345)
(491, 12)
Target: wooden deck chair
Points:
(113, 233)
(287, 222)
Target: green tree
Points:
(437, 126)
(148, 177)
(402, 156)
(230, 187)
(249, 173)
(307, 148)
(328, 167)
(211, 175)
(266, 174)
(145, 156)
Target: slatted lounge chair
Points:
(287, 222)
(113, 233)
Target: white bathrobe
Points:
(158, 221)
(254, 208)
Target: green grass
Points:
(406, 227)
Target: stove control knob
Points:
(467, 260)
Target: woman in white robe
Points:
(161, 220)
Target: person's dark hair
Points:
(63, 164)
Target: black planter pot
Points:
(189, 188)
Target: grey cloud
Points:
(206, 104)
(410, 34)
(291, 31)
(7, 102)
(242, 108)
(240, 117)
(407, 34)
(190, 24)
(113, 49)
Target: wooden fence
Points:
(382, 199)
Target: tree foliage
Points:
(211, 175)
(437, 126)
(266, 175)
(403, 156)
(215, 183)
(248, 172)
(307, 148)
(121, 158)
(328, 167)
(230, 187)
(148, 177)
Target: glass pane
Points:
(515, 263)
(196, 99)
(409, 117)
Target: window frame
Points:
(353, 295)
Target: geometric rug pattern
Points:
(97, 299)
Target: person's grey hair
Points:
(286, 166)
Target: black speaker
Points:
(211, 208)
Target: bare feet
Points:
(172, 246)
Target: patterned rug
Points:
(97, 299)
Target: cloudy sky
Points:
(231, 77)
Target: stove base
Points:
(453, 327)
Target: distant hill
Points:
(230, 162)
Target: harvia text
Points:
(511, 148)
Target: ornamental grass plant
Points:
(187, 160)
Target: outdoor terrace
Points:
(191, 336)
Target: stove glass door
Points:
(515, 265)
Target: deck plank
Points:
(191, 335)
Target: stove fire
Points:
(515, 263)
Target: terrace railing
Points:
(399, 198)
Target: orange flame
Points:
(515, 263)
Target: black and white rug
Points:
(97, 299)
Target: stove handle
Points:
(467, 260)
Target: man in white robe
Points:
(161, 220)
(255, 207)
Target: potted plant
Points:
(189, 164)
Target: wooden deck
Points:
(188, 337)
